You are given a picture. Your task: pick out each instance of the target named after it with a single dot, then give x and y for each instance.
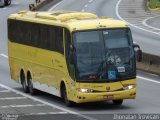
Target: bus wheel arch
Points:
(63, 92)
(30, 83)
(23, 81)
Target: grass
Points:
(154, 4)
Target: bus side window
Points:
(19, 31)
(27, 33)
(59, 40)
(11, 30)
(35, 34)
(43, 37)
(51, 38)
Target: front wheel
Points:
(117, 102)
(66, 101)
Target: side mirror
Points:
(139, 56)
(138, 52)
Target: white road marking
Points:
(13, 98)
(46, 103)
(20, 106)
(15, 3)
(59, 112)
(145, 24)
(151, 74)
(49, 113)
(38, 100)
(86, 6)
(37, 114)
(3, 55)
(118, 15)
(4, 91)
(55, 6)
(82, 10)
(147, 79)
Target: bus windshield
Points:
(104, 55)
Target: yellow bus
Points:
(73, 55)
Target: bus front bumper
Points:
(105, 96)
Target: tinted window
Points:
(36, 35)
(59, 39)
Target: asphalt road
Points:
(154, 22)
(135, 13)
(12, 99)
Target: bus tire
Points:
(30, 85)
(23, 82)
(117, 102)
(65, 98)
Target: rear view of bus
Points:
(96, 61)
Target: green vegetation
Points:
(154, 4)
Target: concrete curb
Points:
(150, 63)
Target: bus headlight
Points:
(83, 90)
(128, 87)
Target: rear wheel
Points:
(117, 102)
(24, 84)
(64, 95)
(30, 85)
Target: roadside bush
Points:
(154, 4)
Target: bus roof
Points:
(72, 20)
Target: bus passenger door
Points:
(70, 67)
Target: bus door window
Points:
(68, 52)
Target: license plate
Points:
(108, 96)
